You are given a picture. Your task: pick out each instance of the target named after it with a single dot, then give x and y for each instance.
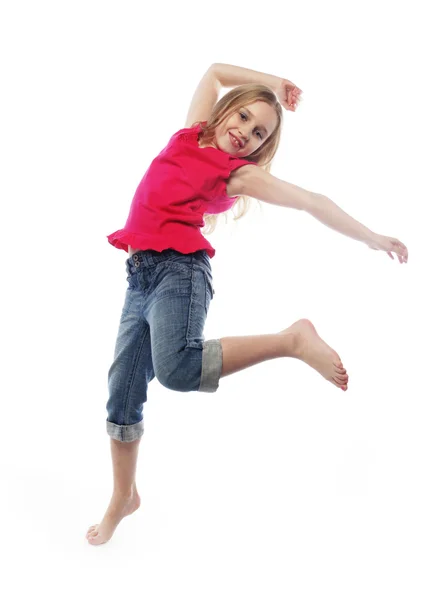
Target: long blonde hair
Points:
(263, 156)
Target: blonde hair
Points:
(263, 156)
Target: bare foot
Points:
(119, 507)
(306, 345)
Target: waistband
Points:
(151, 258)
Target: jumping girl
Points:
(221, 157)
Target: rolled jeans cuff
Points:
(212, 363)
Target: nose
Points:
(243, 137)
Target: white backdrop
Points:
(279, 485)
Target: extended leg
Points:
(299, 341)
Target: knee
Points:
(167, 380)
(177, 373)
(173, 381)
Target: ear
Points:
(204, 99)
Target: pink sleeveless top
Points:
(182, 183)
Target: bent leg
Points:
(245, 351)
(182, 359)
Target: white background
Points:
(279, 485)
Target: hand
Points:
(288, 94)
(389, 244)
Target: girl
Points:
(224, 152)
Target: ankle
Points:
(123, 493)
(292, 343)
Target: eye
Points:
(245, 118)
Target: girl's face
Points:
(252, 125)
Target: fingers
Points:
(400, 249)
(403, 252)
(296, 97)
(294, 103)
(400, 256)
(293, 97)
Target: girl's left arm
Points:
(255, 182)
(229, 76)
(327, 212)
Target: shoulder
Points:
(239, 177)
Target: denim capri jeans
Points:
(161, 333)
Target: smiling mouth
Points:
(235, 142)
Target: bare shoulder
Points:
(255, 182)
(235, 183)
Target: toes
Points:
(342, 386)
(91, 540)
(92, 532)
(341, 378)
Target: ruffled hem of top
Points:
(123, 239)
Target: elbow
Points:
(313, 202)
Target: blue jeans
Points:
(161, 333)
